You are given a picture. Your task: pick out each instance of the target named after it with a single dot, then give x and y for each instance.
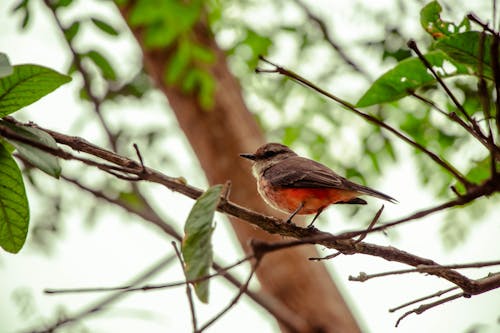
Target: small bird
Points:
(298, 185)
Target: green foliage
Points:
(170, 24)
(164, 21)
(196, 245)
(105, 27)
(38, 158)
(71, 32)
(14, 209)
(407, 76)
(27, 84)
(430, 19)
(464, 48)
(103, 64)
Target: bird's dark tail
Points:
(376, 194)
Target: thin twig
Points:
(188, 288)
(129, 288)
(440, 161)
(139, 156)
(242, 290)
(413, 45)
(454, 117)
(330, 256)
(424, 307)
(436, 294)
(370, 226)
(106, 301)
(329, 39)
(362, 277)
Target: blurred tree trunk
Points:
(218, 137)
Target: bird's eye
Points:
(269, 153)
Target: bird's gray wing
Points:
(298, 172)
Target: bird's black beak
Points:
(248, 156)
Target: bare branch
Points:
(188, 288)
(413, 45)
(436, 294)
(424, 307)
(329, 39)
(362, 277)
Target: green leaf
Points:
(27, 84)
(14, 209)
(5, 67)
(430, 19)
(71, 32)
(105, 27)
(196, 245)
(464, 48)
(39, 158)
(407, 76)
(106, 69)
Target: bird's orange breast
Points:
(289, 199)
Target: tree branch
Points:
(343, 244)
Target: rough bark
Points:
(218, 137)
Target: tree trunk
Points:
(218, 137)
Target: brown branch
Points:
(436, 294)
(304, 235)
(362, 277)
(454, 117)
(424, 307)
(371, 119)
(413, 45)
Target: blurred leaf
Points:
(430, 19)
(71, 32)
(197, 245)
(105, 27)
(5, 67)
(136, 87)
(464, 48)
(164, 21)
(106, 69)
(24, 9)
(6, 144)
(179, 62)
(62, 3)
(27, 84)
(408, 75)
(202, 54)
(203, 84)
(132, 199)
(14, 209)
(40, 159)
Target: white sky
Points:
(118, 247)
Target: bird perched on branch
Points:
(298, 185)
